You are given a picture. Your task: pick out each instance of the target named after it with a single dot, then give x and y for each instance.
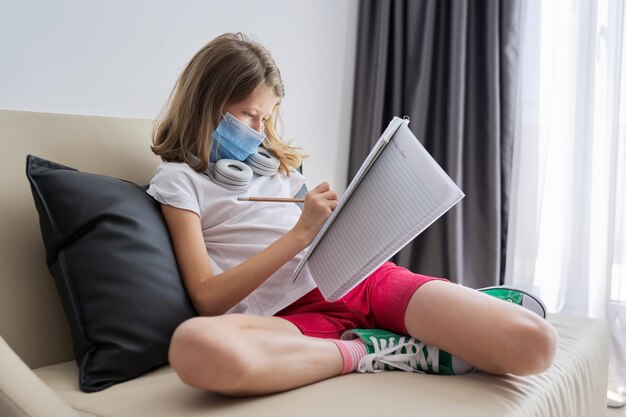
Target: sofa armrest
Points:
(22, 393)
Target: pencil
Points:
(272, 199)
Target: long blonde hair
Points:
(226, 70)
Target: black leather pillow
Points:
(110, 253)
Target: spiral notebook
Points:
(397, 193)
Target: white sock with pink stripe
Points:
(351, 351)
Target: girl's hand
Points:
(318, 204)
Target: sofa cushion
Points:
(109, 251)
(575, 385)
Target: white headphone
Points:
(236, 175)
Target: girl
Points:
(237, 257)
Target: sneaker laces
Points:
(388, 352)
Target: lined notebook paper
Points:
(398, 192)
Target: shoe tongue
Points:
(366, 334)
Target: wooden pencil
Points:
(272, 199)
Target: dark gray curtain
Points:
(450, 65)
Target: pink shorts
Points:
(380, 301)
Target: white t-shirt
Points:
(235, 230)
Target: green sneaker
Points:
(387, 351)
(519, 297)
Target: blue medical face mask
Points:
(234, 140)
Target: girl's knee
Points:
(535, 343)
(185, 334)
(188, 342)
(204, 354)
(545, 341)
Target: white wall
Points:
(122, 57)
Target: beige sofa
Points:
(38, 375)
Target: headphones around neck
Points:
(236, 175)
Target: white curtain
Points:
(567, 230)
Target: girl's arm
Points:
(215, 294)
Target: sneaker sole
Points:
(529, 301)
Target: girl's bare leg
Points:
(492, 335)
(248, 355)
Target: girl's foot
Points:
(388, 351)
